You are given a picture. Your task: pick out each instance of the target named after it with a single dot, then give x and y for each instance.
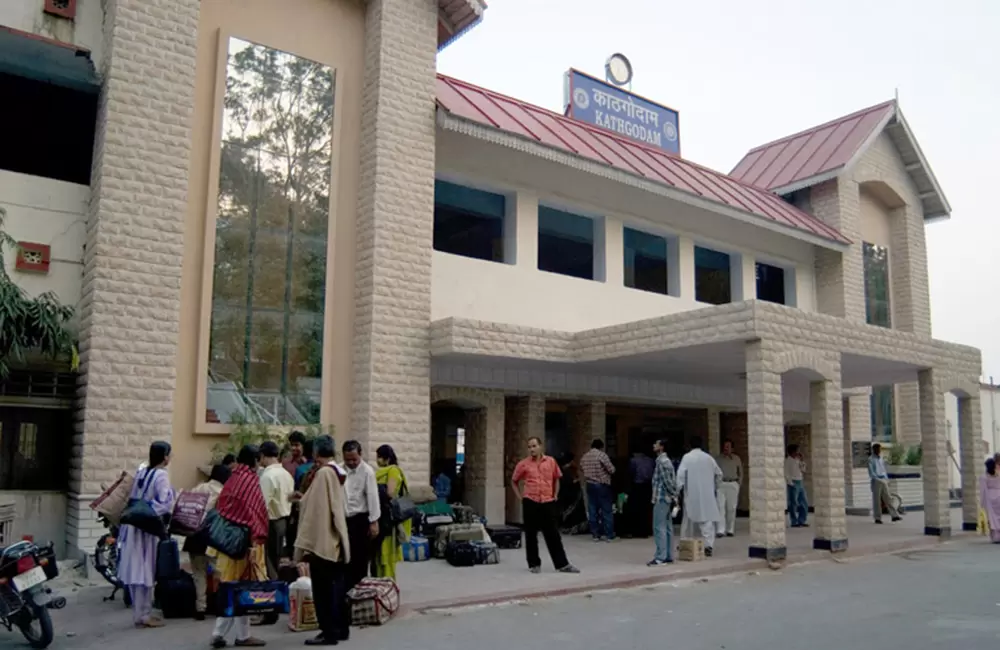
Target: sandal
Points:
(250, 643)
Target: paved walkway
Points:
(436, 584)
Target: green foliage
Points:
(897, 454)
(246, 432)
(915, 456)
(30, 324)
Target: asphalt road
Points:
(944, 598)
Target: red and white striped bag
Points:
(374, 601)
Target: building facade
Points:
(292, 218)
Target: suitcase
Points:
(461, 554)
(373, 602)
(486, 552)
(464, 514)
(168, 560)
(457, 533)
(176, 596)
(505, 537)
(430, 523)
(418, 549)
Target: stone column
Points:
(130, 310)
(586, 422)
(525, 418)
(766, 437)
(934, 440)
(859, 426)
(484, 459)
(827, 461)
(969, 439)
(714, 432)
(395, 231)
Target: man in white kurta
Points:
(698, 477)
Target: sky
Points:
(745, 73)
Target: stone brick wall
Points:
(586, 422)
(839, 276)
(765, 435)
(484, 459)
(394, 231)
(525, 418)
(130, 306)
(937, 515)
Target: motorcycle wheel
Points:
(38, 628)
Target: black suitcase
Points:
(168, 560)
(462, 554)
(505, 537)
(176, 596)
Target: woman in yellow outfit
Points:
(392, 477)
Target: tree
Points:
(29, 324)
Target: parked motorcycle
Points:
(106, 562)
(25, 598)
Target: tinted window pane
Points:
(468, 222)
(645, 261)
(712, 276)
(770, 283)
(565, 243)
(882, 408)
(877, 290)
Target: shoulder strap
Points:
(147, 481)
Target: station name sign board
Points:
(595, 102)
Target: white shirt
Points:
(697, 476)
(277, 485)
(362, 492)
(793, 469)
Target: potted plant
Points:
(246, 432)
(905, 474)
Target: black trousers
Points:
(292, 532)
(640, 509)
(361, 545)
(276, 531)
(542, 518)
(330, 598)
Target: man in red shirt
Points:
(536, 484)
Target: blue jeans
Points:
(599, 510)
(663, 532)
(798, 507)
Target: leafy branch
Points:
(30, 324)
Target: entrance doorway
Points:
(35, 446)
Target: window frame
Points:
(879, 429)
(733, 256)
(872, 303)
(596, 240)
(672, 259)
(200, 424)
(789, 280)
(506, 242)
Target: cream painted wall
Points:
(518, 293)
(876, 224)
(83, 31)
(45, 211)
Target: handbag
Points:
(224, 536)
(402, 507)
(189, 513)
(112, 501)
(139, 512)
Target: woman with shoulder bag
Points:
(391, 478)
(151, 493)
(241, 504)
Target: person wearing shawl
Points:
(989, 498)
(242, 502)
(137, 559)
(322, 541)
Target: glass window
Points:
(468, 222)
(877, 308)
(883, 412)
(712, 276)
(645, 261)
(565, 243)
(266, 345)
(770, 283)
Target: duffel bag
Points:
(461, 554)
(486, 552)
(176, 596)
(247, 598)
(373, 601)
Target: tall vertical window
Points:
(883, 407)
(266, 340)
(645, 261)
(771, 283)
(877, 307)
(468, 222)
(713, 276)
(565, 243)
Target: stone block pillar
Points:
(970, 435)
(130, 309)
(934, 439)
(827, 465)
(395, 232)
(525, 418)
(714, 432)
(858, 427)
(484, 459)
(586, 422)
(766, 437)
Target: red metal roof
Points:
(491, 109)
(811, 153)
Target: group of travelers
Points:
(305, 507)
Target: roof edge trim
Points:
(926, 165)
(456, 124)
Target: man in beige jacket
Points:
(322, 541)
(195, 548)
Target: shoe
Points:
(730, 534)
(897, 518)
(320, 640)
(597, 539)
(803, 525)
(219, 642)
(535, 569)
(611, 539)
(150, 623)
(708, 552)
(655, 563)
(199, 616)
(250, 643)
(569, 568)
(878, 521)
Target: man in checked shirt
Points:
(597, 469)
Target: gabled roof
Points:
(823, 152)
(688, 181)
